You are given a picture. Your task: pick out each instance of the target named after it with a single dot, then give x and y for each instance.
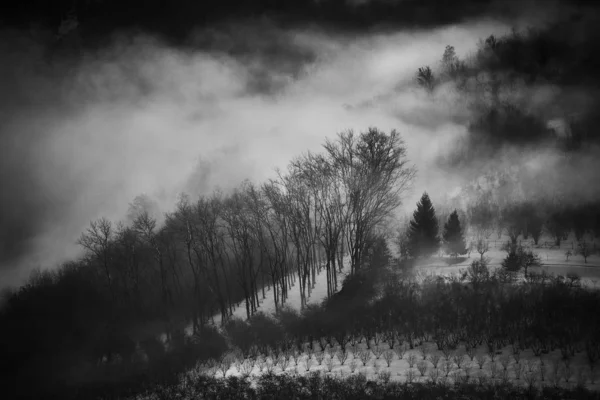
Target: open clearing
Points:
(554, 262)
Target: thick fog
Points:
(82, 138)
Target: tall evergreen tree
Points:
(423, 237)
(453, 236)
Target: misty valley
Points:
(300, 200)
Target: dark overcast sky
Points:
(176, 17)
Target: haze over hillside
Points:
(83, 135)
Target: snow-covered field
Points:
(417, 365)
(267, 305)
(317, 294)
(553, 260)
(554, 263)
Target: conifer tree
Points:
(423, 240)
(453, 236)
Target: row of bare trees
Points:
(211, 252)
(155, 272)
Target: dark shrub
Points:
(478, 272)
(290, 320)
(240, 335)
(266, 331)
(205, 344)
(512, 262)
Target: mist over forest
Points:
(86, 129)
(129, 127)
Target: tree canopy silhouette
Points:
(454, 238)
(423, 232)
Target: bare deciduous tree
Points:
(422, 367)
(585, 250)
(375, 174)
(482, 247)
(97, 240)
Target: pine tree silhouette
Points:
(453, 236)
(423, 232)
